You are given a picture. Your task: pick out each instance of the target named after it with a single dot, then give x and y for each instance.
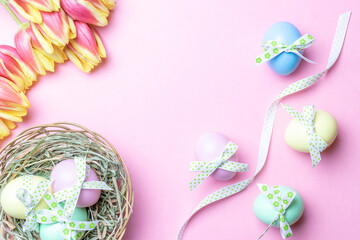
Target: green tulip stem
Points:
(13, 15)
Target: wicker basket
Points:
(37, 149)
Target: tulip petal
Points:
(10, 124)
(25, 50)
(43, 5)
(4, 129)
(100, 44)
(15, 116)
(41, 43)
(84, 11)
(55, 27)
(110, 4)
(85, 44)
(11, 94)
(26, 10)
(48, 64)
(30, 76)
(78, 61)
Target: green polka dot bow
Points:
(207, 168)
(71, 194)
(272, 48)
(316, 143)
(280, 202)
(30, 196)
(70, 229)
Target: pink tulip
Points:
(13, 67)
(34, 50)
(30, 9)
(93, 12)
(87, 49)
(56, 27)
(13, 104)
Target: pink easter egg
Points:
(209, 147)
(64, 176)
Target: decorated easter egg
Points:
(266, 212)
(325, 126)
(54, 231)
(209, 147)
(64, 176)
(285, 33)
(12, 205)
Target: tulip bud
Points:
(13, 68)
(93, 12)
(87, 49)
(34, 50)
(56, 27)
(30, 9)
(13, 104)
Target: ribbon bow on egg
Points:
(316, 143)
(71, 229)
(280, 202)
(207, 168)
(31, 200)
(71, 194)
(273, 48)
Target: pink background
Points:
(178, 69)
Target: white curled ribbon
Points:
(207, 168)
(280, 203)
(31, 200)
(316, 143)
(71, 229)
(273, 48)
(71, 194)
(269, 122)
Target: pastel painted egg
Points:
(209, 147)
(286, 33)
(54, 231)
(12, 205)
(325, 125)
(64, 176)
(266, 213)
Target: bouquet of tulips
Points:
(57, 30)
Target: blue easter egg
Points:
(286, 33)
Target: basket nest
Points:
(38, 149)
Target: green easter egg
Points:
(54, 231)
(325, 125)
(266, 213)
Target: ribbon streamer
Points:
(316, 143)
(207, 168)
(71, 229)
(270, 118)
(71, 194)
(31, 200)
(273, 48)
(280, 202)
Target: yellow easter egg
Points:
(12, 205)
(325, 126)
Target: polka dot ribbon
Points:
(270, 119)
(70, 229)
(207, 168)
(280, 202)
(30, 196)
(71, 194)
(316, 143)
(272, 48)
